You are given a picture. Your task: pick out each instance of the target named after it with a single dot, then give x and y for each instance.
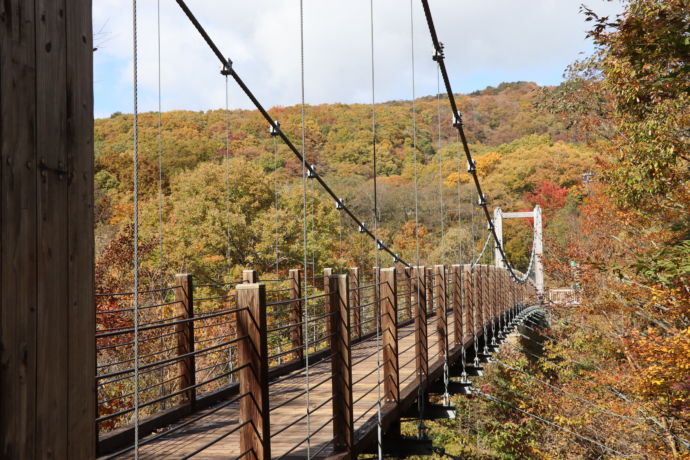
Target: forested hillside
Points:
(226, 195)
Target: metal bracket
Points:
(227, 68)
(311, 172)
(438, 53)
(274, 129)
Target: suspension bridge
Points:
(313, 365)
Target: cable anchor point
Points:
(311, 172)
(471, 166)
(438, 53)
(274, 129)
(227, 68)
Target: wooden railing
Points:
(203, 343)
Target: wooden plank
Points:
(18, 258)
(343, 420)
(52, 361)
(296, 339)
(82, 354)
(255, 436)
(184, 333)
(389, 333)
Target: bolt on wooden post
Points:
(389, 333)
(255, 436)
(341, 364)
(184, 332)
(296, 331)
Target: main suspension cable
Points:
(275, 126)
(458, 124)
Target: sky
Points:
(486, 42)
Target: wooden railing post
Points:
(355, 302)
(296, 331)
(458, 320)
(184, 310)
(468, 300)
(407, 286)
(420, 323)
(250, 276)
(327, 272)
(441, 310)
(255, 436)
(341, 364)
(389, 334)
(377, 293)
(429, 283)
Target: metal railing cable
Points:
(439, 57)
(275, 127)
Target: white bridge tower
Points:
(499, 215)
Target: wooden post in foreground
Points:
(341, 364)
(255, 436)
(389, 333)
(47, 320)
(184, 332)
(420, 323)
(296, 331)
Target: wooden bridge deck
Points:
(287, 407)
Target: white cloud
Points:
(487, 41)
